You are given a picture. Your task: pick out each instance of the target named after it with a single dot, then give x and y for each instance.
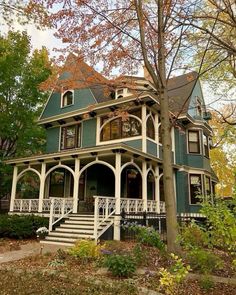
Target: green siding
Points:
(82, 99)
(197, 92)
(137, 143)
(151, 148)
(53, 135)
(195, 160)
(180, 148)
(182, 192)
(89, 133)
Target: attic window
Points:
(67, 98)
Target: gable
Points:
(197, 96)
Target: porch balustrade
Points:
(26, 205)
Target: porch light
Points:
(132, 174)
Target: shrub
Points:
(120, 265)
(148, 236)
(21, 226)
(204, 261)
(85, 250)
(192, 236)
(170, 279)
(221, 223)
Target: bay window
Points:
(193, 142)
(195, 188)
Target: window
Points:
(195, 188)
(193, 142)
(207, 186)
(206, 145)
(150, 128)
(67, 98)
(199, 108)
(118, 128)
(70, 137)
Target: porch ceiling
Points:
(104, 151)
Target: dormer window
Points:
(67, 98)
(122, 92)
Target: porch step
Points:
(68, 244)
(74, 227)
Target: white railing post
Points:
(13, 189)
(106, 209)
(21, 205)
(42, 187)
(51, 214)
(30, 204)
(63, 206)
(96, 215)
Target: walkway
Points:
(27, 250)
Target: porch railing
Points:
(104, 209)
(131, 205)
(26, 205)
(59, 209)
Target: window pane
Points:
(193, 136)
(193, 142)
(105, 133)
(150, 128)
(115, 129)
(70, 137)
(67, 98)
(193, 147)
(195, 188)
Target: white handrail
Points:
(59, 209)
(105, 205)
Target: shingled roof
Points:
(77, 74)
(179, 90)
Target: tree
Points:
(20, 98)
(223, 154)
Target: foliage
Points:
(192, 236)
(221, 221)
(56, 263)
(204, 261)
(120, 265)
(139, 254)
(169, 279)
(206, 283)
(148, 236)
(85, 250)
(20, 75)
(21, 226)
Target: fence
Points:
(156, 220)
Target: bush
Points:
(192, 236)
(120, 265)
(204, 261)
(21, 226)
(148, 236)
(206, 283)
(85, 250)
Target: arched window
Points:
(118, 128)
(67, 98)
(150, 128)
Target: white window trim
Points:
(73, 98)
(200, 141)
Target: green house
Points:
(104, 153)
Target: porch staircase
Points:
(73, 228)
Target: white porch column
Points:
(157, 188)
(144, 128)
(157, 133)
(144, 185)
(117, 197)
(76, 186)
(42, 187)
(13, 188)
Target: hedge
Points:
(20, 226)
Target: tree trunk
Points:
(168, 180)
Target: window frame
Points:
(190, 191)
(63, 138)
(206, 147)
(207, 178)
(63, 105)
(198, 142)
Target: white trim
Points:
(13, 188)
(97, 162)
(26, 170)
(173, 143)
(59, 166)
(131, 164)
(144, 128)
(120, 140)
(98, 131)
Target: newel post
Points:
(42, 186)
(76, 185)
